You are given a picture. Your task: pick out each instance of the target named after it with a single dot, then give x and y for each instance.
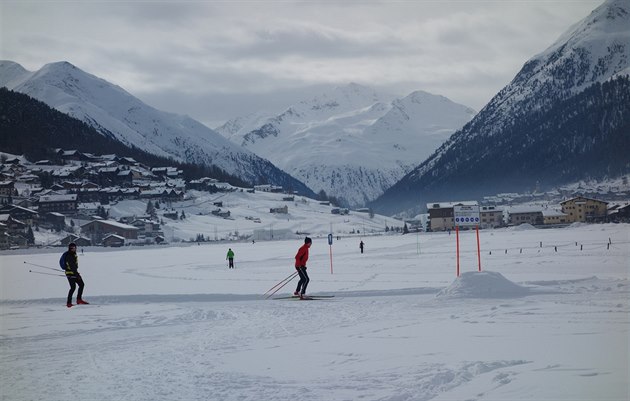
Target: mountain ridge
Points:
(119, 115)
(576, 62)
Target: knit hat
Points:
(307, 240)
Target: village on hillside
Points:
(73, 198)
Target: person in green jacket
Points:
(230, 258)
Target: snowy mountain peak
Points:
(612, 17)
(358, 142)
(340, 99)
(119, 115)
(12, 73)
(594, 50)
(550, 125)
(357, 91)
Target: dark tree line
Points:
(33, 129)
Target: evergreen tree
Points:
(150, 209)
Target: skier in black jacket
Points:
(71, 267)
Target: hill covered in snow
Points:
(250, 217)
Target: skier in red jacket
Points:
(300, 265)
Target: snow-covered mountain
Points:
(564, 117)
(352, 142)
(119, 115)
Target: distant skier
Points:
(300, 265)
(361, 244)
(230, 258)
(70, 263)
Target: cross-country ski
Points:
(306, 297)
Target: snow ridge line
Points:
(157, 298)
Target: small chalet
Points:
(282, 210)
(21, 213)
(54, 219)
(12, 224)
(113, 240)
(7, 188)
(619, 214)
(80, 241)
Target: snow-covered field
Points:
(174, 323)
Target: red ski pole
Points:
(281, 284)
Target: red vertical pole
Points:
(457, 236)
(478, 249)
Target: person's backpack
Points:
(62, 261)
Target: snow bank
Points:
(522, 227)
(483, 285)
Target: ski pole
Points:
(278, 289)
(280, 284)
(43, 267)
(48, 274)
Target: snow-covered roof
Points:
(445, 205)
(57, 198)
(114, 223)
(114, 236)
(552, 213)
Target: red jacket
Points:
(302, 256)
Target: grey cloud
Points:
(213, 52)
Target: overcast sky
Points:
(215, 60)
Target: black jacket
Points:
(72, 263)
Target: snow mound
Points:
(522, 227)
(482, 285)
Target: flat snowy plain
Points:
(174, 323)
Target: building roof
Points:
(448, 205)
(553, 213)
(112, 223)
(114, 236)
(584, 198)
(525, 210)
(58, 198)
